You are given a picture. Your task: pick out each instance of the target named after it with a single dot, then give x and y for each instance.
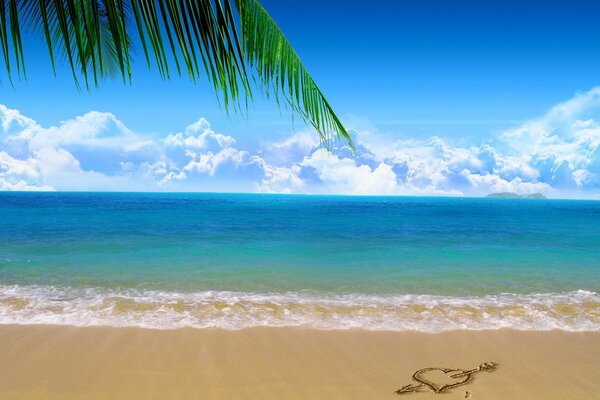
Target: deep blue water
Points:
(269, 242)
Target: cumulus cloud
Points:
(563, 145)
(344, 175)
(556, 154)
(96, 151)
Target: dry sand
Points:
(52, 362)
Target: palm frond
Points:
(232, 42)
(282, 73)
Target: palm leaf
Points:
(234, 43)
(281, 71)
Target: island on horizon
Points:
(511, 195)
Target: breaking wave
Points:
(570, 311)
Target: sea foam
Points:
(569, 311)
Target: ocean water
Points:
(238, 260)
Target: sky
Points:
(442, 98)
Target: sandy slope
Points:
(51, 362)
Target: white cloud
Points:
(18, 174)
(344, 175)
(556, 154)
(563, 145)
(199, 136)
(280, 179)
(209, 162)
(96, 151)
(291, 149)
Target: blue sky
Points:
(421, 77)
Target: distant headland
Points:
(510, 195)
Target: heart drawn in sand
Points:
(440, 379)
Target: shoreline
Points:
(573, 311)
(65, 362)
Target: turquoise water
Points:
(237, 260)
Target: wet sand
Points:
(54, 362)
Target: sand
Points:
(53, 362)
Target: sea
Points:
(234, 261)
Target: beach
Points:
(221, 296)
(50, 362)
